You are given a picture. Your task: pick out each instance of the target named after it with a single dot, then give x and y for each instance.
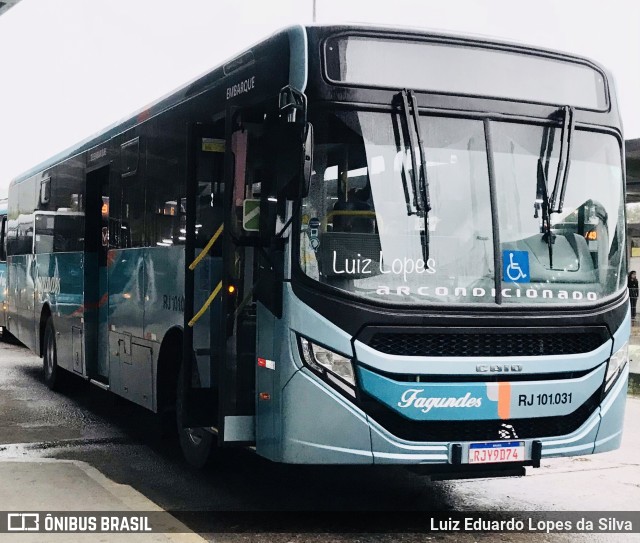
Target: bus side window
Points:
(133, 194)
(44, 234)
(164, 190)
(118, 231)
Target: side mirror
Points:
(268, 219)
(289, 160)
(284, 156)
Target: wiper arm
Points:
(560, 185)
(420, 186)
(565, 160)
(417, 207)
(423, 182)
(543, 192)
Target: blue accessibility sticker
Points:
(515, 266)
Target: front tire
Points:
(197, 444)
(50, 357)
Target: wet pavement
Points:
(122, 441)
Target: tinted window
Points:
(165, 202)
(22, 202)
(129, 155)
(133, 194)
(59, 233)
(66, 187)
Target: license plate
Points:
(496, 451)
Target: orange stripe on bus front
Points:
(504, 400)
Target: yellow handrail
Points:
(207, 248)
(206, 305)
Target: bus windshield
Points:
(359, 232)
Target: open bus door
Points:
(95, 275)
(218, 271)
(263, 162)
(204, 233)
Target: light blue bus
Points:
(3, 265)
(347, 245)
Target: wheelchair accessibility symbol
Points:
(515, 266)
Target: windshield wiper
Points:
(565, 159)
(543, 195)
(549, 202)
(420, 186)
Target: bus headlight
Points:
(616, 364)
(328, 363)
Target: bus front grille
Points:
(490, 342)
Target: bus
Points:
(346, 245)
(3, 266)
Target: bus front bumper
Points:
(340, 433)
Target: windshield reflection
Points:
(358, 236)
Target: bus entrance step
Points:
(103, 386)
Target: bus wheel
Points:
(197, 444)
(50, 357)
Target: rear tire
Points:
(52, 377)
(197, 444)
